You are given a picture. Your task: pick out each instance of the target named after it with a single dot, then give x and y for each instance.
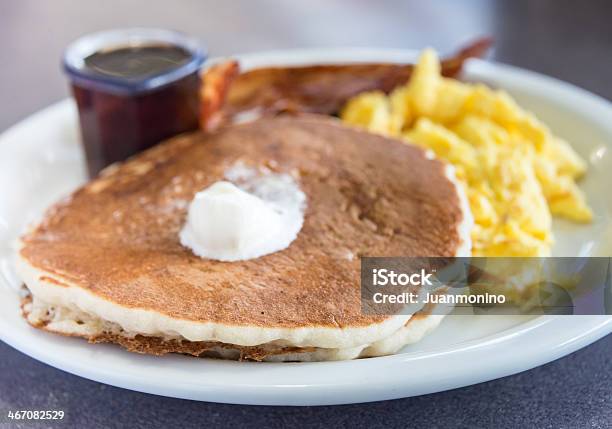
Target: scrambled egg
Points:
(516, 173)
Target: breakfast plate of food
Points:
(223, 263)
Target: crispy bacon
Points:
(314, 89)
(213, 93)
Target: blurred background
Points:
(567, 39)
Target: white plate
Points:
(40, 160)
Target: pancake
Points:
(72, 322)
(110, 253)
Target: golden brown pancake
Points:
(112, 248)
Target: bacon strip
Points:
(320, 89)
(216, 82)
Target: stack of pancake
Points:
(106, 263)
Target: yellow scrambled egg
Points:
(516, 173)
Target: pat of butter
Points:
(231, 223)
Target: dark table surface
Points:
(570, 40)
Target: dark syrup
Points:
(137, 61)
(117, 126)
